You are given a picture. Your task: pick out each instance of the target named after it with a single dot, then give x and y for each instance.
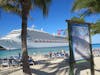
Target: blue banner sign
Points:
(80, 41)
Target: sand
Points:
(55, 66)
(97, 67)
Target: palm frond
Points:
(79, 4)
(43, 4)
(95, 29)
(12, 9)
(93, 6)
(81, 19)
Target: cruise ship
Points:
(35, 39)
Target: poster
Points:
(80, 41)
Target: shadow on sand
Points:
(61, 68)
(53, 68)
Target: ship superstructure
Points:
(35, 39)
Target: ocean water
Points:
(33, 51)
(95, 45)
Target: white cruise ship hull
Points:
(35, 39)
(33, 45)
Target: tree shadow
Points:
(81, 66)
(97, 70)
(54, 68)
(58, 68)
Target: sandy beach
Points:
(52, 66)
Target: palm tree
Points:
(90, 6)
(23, 7)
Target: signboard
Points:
(80, 41)
(80, 45)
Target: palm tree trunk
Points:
(25, 64)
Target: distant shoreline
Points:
(96, 44)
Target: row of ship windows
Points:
(48, 41)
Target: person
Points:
(50, 54)
(19, 55)
(10, 62)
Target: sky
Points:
(59, 11)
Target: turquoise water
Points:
(32, 51)
(8, 53)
